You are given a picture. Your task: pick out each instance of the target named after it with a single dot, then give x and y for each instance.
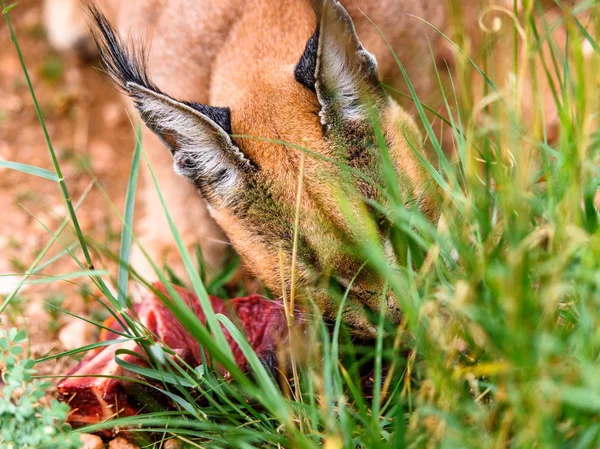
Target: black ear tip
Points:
(221, 116)
(124, 63)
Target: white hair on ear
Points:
(196, 134)
(202, 151)
(345, 70)
(345, 78)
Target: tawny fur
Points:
(241, 54)
(217, 53)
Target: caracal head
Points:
(331, 104)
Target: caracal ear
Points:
(202, 151)
(345, 73)
(197, 135)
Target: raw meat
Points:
(99, 389)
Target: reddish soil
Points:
(93, 138)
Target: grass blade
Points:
(30, 170)
(127, 227)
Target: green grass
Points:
(500, 340)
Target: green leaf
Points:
(272, 395)
(216, 284)
(7, 9)
(127, 228)
(30, 170)
(100, 344)
(68, 276)
(16, 350)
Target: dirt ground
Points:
(93, 138)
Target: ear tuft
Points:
(122, 64)
(197, 135)
(127, 67)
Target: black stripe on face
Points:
(221, 116)
(305, 70)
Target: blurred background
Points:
(92, 134)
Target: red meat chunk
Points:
(94, 397)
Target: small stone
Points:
(121, 443)
(76, 334)
(91, 441)
(173, 443)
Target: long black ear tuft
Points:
(127, 65)
(197, 135)
(124, 65)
